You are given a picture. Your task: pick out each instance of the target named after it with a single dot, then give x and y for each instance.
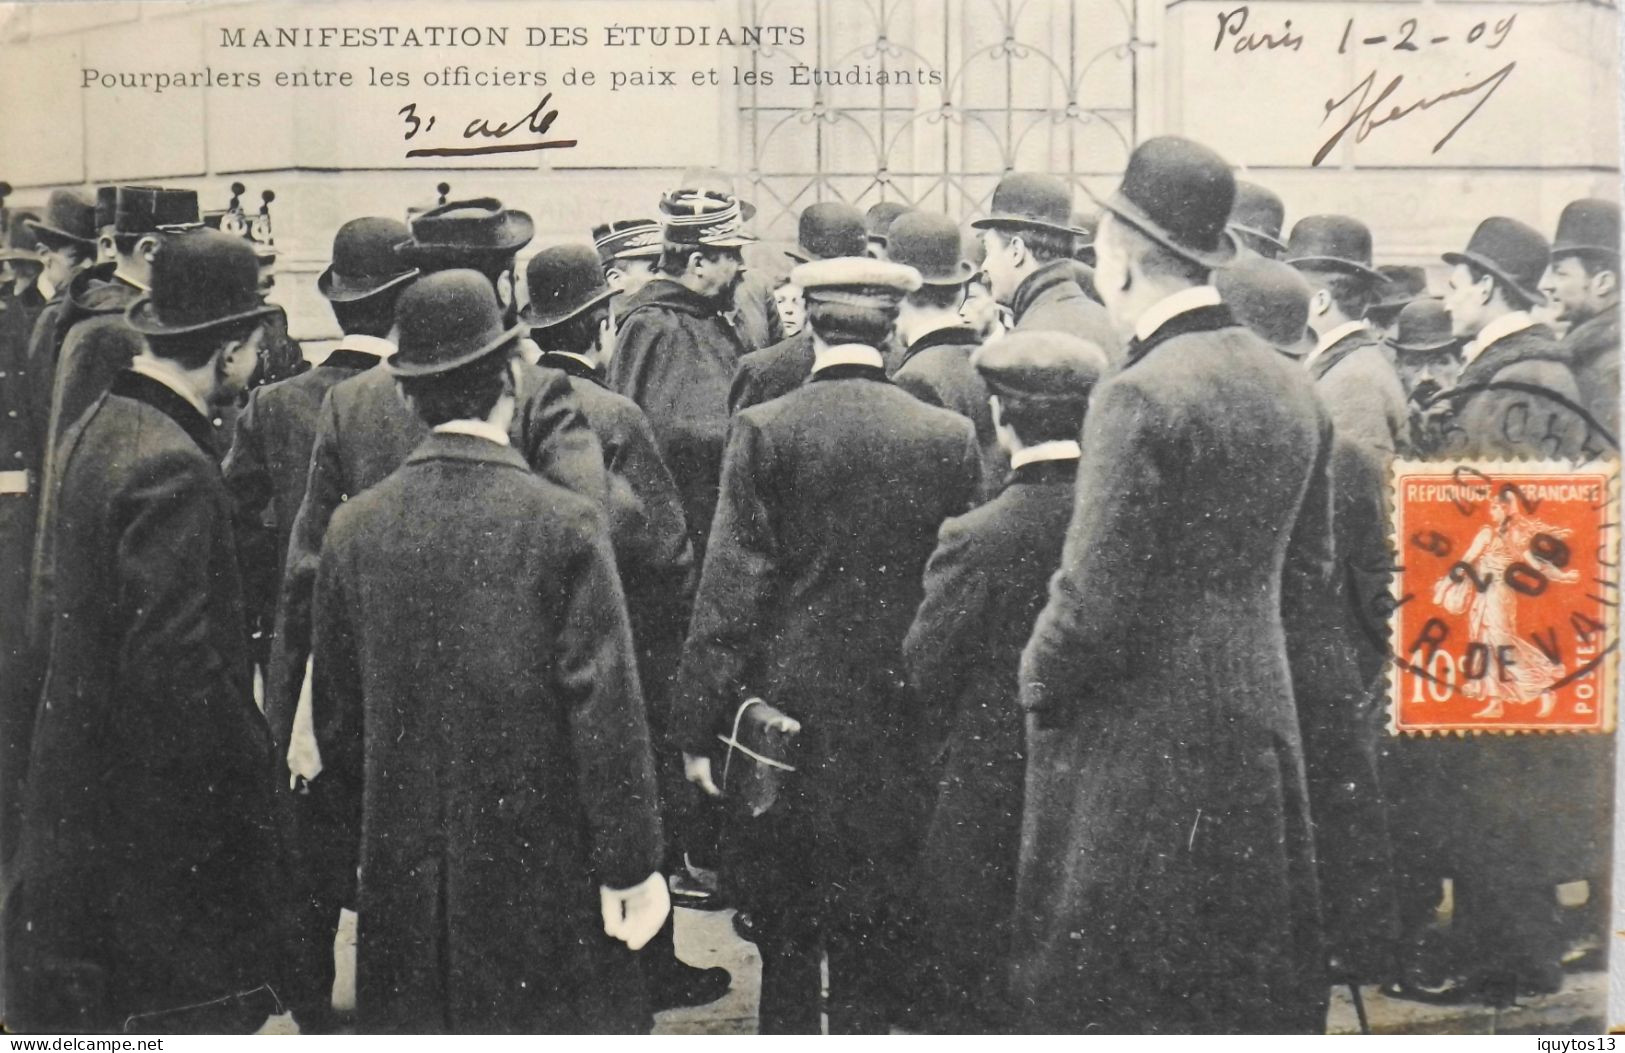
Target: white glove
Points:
(633, 915)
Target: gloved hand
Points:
(633, 915)
(697, 770)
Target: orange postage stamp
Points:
(1504, 597)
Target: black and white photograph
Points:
(809, 517)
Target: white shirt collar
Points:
(583, 359)
(121, 276)
(1498, 329)
(529, 351)
(1055, 450)
(847, 355)
(1159, 313)
(170, 376)
(1328, 339)
(480, 429)
(367, 345)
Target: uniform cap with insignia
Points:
(1514, 252)
(151, 209)
(1258, 216)
(1332, 243)
(1424, 329)
(1040, 366)
(364, 260)
(930, 243)
(563, 281)
(826, 230)
(1269, 297)
(626, 239)
(716, 181)
(70, 219)
(857, 281)
(448, 320)
(703, 219)
(1588, 227)
(201, 279)
(1179, 194)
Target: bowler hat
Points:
(627, 239)
(1514, 253)
(716, 181)
(1030, 199)
(1332, 243)
(1401, 285)
(1040, 366)
(1269, 297)
(106, 206)
(1424, 328)
(458, 231)
(563, 281)
(856, 280)
(1258, 216)
(70, 219)
(703, 219)
(1588, 227)
(150, 209)
(1178, 193)
(828, 229)
(930, 243)
(201, 280)
(878, 220)
(22, 246)
(447, 320)
(364, 260)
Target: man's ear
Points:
(1320, 303)
(1485, 288)
(1604, 283)
(1017, 247)
(615, 278)
(147, 247)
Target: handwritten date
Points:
(538, 122)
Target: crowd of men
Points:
(988, 610)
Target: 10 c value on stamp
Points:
(1505, 596)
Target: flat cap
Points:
(1045, 366)
(857, 280)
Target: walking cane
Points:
(1359, 1008)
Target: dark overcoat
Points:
(773, 371)
(1515, 399)
(477, 707)
(1592, 350)
(1361, 390)
(363, 433)
(755, 314)
(675, 355)
(832, 496)
(984, 587)
(1051, 300)
(148, 854)
(936, 369)
(266, 469)
(1167, 878)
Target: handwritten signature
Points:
(1363, 119)
(537, 122)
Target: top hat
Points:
(1588, 227)
(1040, 366)
(626, 239)
(106, 206)
(826, 230)
(1179, 194)
(856, 280)
(201, 280)
(70, 219)
(563, 281)
(703, 219)
(1269, 297)
(1258, 216)
(1030, 199)
(1401, 285)
(930, 243)
(364, 260)
(1514, 252)
(1424, 328)
(22, 246)
(448, 320)
(150, 209)
(478, 228)
(878, 219)
(716, 181)
(1332, 243)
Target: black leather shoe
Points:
(678, 985)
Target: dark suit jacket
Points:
(984, 586)
(266, 469)
(1166, 818)
(477, 707)
(146, 868)
(832, 496)
(936, 369)
(1051, 300)
(773, 371)
(1592, 350)
(363, 433)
